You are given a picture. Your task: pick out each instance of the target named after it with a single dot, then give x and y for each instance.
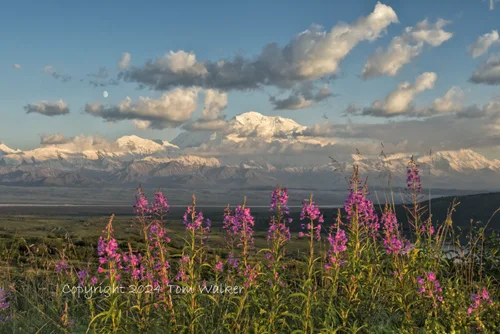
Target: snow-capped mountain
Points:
(254, 124)
(4, 149)
(180, 163)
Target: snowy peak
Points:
(460, 160)
(254, 124)
(252, 164)
(139, 145)
(4, 149)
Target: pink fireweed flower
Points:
(160, 205)
(310, 211)
(181, 274)
(412, 177)
(94, 280)
(338, 245)
(157, 235)
(429, 287)
(194, 221)
(479, 301)
(429, 229)
(240, 224)
(61, 266)
(358, 206)
(219, 266)
(278, 229)
(141, 206)
(82, 275)
(108, 251)
(249, 275)
(279, 200)
(393, 242)
(233, 261)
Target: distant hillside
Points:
(478, 208)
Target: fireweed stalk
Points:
(310, 213)
(335, 258)
(396, 247)
(193, 257)
(278, 236)
(480, 302)
(414, 185)
(240, 227)
(363, 223)
(110, 263)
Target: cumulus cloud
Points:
(54, 139)
(125, 60)
(400, 101)
(302, 97)
(483, 43)
(452, 101)
(169, 111)
(16, 66)
(215, 103)
(489, 111)
(211, 116)
(48, 108)
(405, 47)
(325, 129)
(79, 143)
(310, 55)
(488, 72)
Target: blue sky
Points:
(77, 38)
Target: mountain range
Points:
(194, 160)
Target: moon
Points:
(105, 94)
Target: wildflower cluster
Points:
(279, 229)
(479, 301)
(430, 287)
(342, 284)
(358, 206)
(393, 241)
(338, 245)
(413, 180)
(310, 212)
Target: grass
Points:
(357, 273)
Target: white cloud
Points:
(488, 72)
(405, 47)
(211, 116)
(54, 139)
(310, 55)
(483, 43)
(183, 62)
(215, 103)
(452, 101)
(141, 125)
(399, 101)
(16, 66)
(48, 108)
(170, 110)
(125, 60)
(302, 97)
